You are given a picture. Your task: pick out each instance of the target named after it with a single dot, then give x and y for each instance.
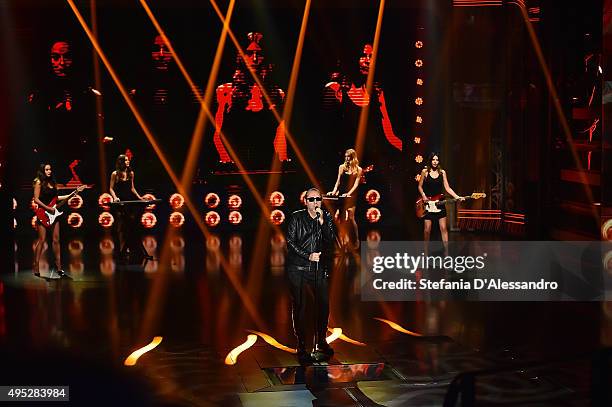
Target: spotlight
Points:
(418, 101)
(372, 197)
(14, 223)
(212, 200)
(176, 201)
(302, 196)
(235, 217)
(176, 219)
(373, 215)
(277, 199)
(420, 82)
(417, 140)
(419, 119)
(418, 158)
(75, 220)
(212, 218)
(103, 201)
(234, 202)
(148, 220)
(277, 217)
(149, 197)
(75, 202)
(418, 63)
(14, 204)
(418, 44)
(106, 220)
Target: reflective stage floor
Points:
(208, 297)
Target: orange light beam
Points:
(336, 332)
(233, 279)
(555, 98)
(363, 116)
(134, 356)
(398, 327)
(349, 340)
(232, 356)
(271, 341)
(198, 133)
(288, 135)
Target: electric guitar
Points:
(436, 202)
(48, 218)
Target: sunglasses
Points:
(313, 199)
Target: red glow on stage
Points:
(106, 246)
(76, 202)
(372, 197)
(418, 158)
(103, 201)
(277, 199)
(212, 200)
(212, 218)
(418, 63)
(419, 82)
(418, 44)
(75, 220)
(373, 215)
(148, 220)
(418, 101)
(106, 220)
(75, 247)
(176, 219)
(419, 119)
(176, 201)
(234, 202)
(417, 140)
(235, 217)
(277, 217)
(149, 197)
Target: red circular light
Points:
(148, 220)
(235, 217)
(176, 201)
(234, 202)
(373, 215)
(212, 218)
(277, 217)
(176, 219)
(149, 197)
(277, 199)
(372, 197)
(103, 201)
(106, 220)
(212, 200)
(75, 220)
(75, 202)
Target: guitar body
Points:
(46, 218)
(422, 207)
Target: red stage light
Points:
(419, 82)
(176, 201)
(373, 239)
(75, 202)
(106, 220)
(235, 217)
(149, 197)
(176, 219)
(417, 140)
(75, 220)
(418, 101)
(418, 44)
(212, 200)
(14, 204)
(148, 220)
(373, 215)
(14, 223)
(372, 197)
(277, 217)
(75, 247)
(418, 158)
(419, 119)
(277, 199)
(418, 63)
(212, 218)
(106, 246)
(302, 196)
(234, 202)
(103, 201)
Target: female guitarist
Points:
(45, 196)
(433, 181)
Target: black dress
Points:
(48, 191)
(431, 187)
(346, 183)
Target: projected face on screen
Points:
(61, 58)
(253, 53)
(364, 59)
(161, 54)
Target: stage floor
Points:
(211, 295)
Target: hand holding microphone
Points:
(319, 212)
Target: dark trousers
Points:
(298, 281)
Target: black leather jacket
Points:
(306, 235)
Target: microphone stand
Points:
(316, 290)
